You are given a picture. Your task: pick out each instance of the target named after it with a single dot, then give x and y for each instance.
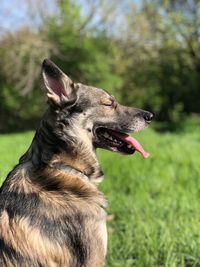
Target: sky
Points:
(15, 13)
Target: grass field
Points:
(155, 202)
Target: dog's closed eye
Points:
(109, 101)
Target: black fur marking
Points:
(20, 204)
(68, 231)
(7, 252)
(49, 183)
(101, 173)
(80, 107)
(51, 69)
(90, 170)
(55, 185)
(6, 184)
(47, 136)
(45, 144)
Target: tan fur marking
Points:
(106, 100)
(80, 193)
(82, 163)
(28, 240)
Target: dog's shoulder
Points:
(68, 224)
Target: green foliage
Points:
(164, 70)
(21, 54)
(19, 112)
(12, 147)
(87, 55)
(155, 201)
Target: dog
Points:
(51, 211)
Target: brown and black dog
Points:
(51, 212)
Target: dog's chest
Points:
(86, 241)
(82, 233)
(96, 236)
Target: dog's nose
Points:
(148, 116)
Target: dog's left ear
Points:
(60, 88)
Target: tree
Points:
(84, 52)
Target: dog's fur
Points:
(51, 212)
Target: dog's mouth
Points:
(118, 142)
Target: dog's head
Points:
(88, 115)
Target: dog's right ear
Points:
(60, 88)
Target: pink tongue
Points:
(132, 141)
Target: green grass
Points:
(155, 201)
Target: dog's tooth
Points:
(106, 135)
(129, 146)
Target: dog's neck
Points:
(47, 152)
(84, 163)
(70, 170)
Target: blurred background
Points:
(147, 53)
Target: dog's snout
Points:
(148, 116)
